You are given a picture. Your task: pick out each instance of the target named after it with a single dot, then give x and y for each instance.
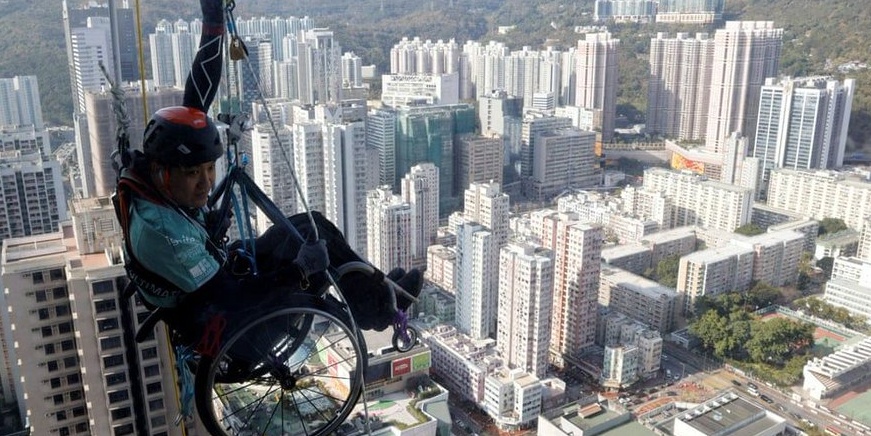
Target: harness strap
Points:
(145, 280)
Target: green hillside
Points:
(818, 37)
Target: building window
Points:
(71, 362)
(110, 343)
(57, 274)
(73, 379)
(104, 325)
(103, 306)
(155, 405)
(49, 349)
(152, 370)
(114, 379)
(75, 395)
(40, 296)
(153, 388)
(62, 310)
(58, 399)
(103, 287)
(118, 396)
(46, 331)
(113, 361)
(67, 345)
(52, 366)
(121, 413)
(78, 411)
(43, 313)
(65, 327)
(124, 430)
(59, 292)
(55, 382)
(149, 353)
(63, 431)
(158, 421)
(37, 278)
(82, 427)
(61, 415)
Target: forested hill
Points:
(31, 41)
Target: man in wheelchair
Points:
(172, 258)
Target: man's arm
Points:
(205, 75)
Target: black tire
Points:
(265, 381)
(403, 346)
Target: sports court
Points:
(854, 405)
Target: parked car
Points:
(766, 399)
(751, 385)
(736, 383)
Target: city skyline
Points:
(536, 265)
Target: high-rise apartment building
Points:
(415, 56)
(690, 11)
(90, 47)
(19, 102)
(426, 134)
(745, 54)
(346, 161)
(577, 251)
(486, 204)
(272, 172)
(102, 125)
(638, 298)
(352, 70)
(525, 306)
(494, 108)
(822, 194)
(562, 160)
(420, 189)
(596, 78)
(713, 272)
(308, 162)
(679, 85)
(803, 123)
(624, 11)
(74, 370)
(479, 159)
(535, 123)
(477, 263)
(381, 137)
(76, 18)
(699, 201)
(389, 230)
(24, 138)
(320, 67)
(173, 46)
(33, 199)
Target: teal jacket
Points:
(173, 245)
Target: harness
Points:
(145, 280)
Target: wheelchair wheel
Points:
(294, 370)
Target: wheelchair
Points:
(279, 369)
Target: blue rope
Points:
(183, 355)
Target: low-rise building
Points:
(839, 244)
(831, 375)
(589, 419)
(728, 414)
(513, 398)
(850, 286)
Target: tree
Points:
(763, 295)
(831, 225)
(749, 229)
(666, 271)
(827, 264)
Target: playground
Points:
(854, 405)
(826, 340)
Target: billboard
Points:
(400, 367)
(679, 162)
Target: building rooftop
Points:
(717, 254)
(726, 414)
(669, 235)
(636, 283)
(619, 251)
